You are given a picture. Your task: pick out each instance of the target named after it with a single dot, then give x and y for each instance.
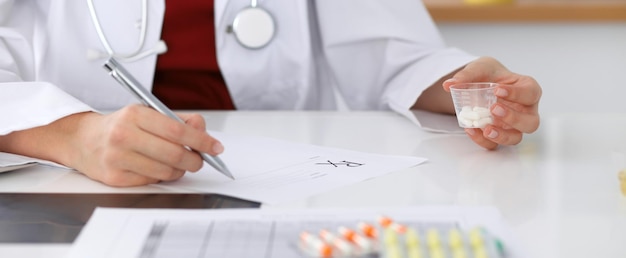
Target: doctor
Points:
(375, 54)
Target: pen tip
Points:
(227, 173)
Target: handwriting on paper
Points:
(341, 163)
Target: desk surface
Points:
(558, 189)
(529, 11)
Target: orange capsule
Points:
(343, 246)
(368, 230)
(355, 238)
(315, 245)
(384, 221)
(387, 222)
(347, 233)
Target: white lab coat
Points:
(377, 54)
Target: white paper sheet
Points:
(10, 162)
(237, 233)
(273, 171)
(269, 170)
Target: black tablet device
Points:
(59, 217)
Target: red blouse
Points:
(187, 75)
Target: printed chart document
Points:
(271, 171)
(243, 233)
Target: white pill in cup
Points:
(472, 103)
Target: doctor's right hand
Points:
(138, 145)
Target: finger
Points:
(131, 139)
(141, 165)
(513, 119)
(477, 136)
(173, 155)
(502, 136)
(483, 69)
(525, 91)
(448, 83)
(125, 179)
(194, 120)
(197, 122)
(152, 121)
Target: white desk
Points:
(558, 189)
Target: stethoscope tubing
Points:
(243, 33)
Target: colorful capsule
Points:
(476, 238)
(413, 244)
(432, 238)
(387, 222)
(368, 230)
(315, 246)
(355, 238)
(455, 239)
(338, 243)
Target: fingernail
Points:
(498, 111)
(218, 148)
(451, 80)
(470, 131)
(500, 92)
(493, 134)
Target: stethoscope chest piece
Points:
(254, 27)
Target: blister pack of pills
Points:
(389, 239)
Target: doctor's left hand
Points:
(138, 145)
(516, 111)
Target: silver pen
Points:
(119, 73)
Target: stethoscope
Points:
(253, 27)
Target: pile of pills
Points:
(389, 239)
(474, 117)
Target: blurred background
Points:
(576, 49)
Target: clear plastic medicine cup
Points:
(472, 103)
